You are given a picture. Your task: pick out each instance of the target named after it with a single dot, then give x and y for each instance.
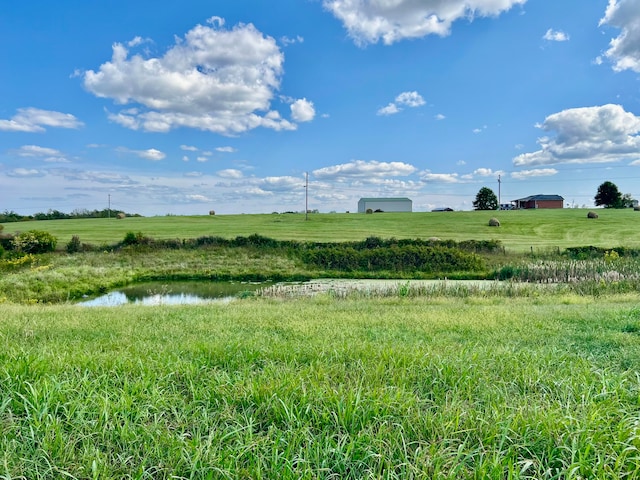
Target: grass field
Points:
(516, 382)
(318, 388)
(519, 231)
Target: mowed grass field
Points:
(320, 388)
(519, 231)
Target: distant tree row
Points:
(11, 216)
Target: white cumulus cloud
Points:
(599, 134)
(25, 172)
(214, 79)
(149, 154)
(35, 119)
(36, 151)
(406, 99)
(536, 172)
(555, 36)
(427, 176)
(226, 149)
(302, 110)
(624, 50)
(364, 169)
(230, 173)
(389, 21)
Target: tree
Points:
(608, 196)
(627, 201)
(485, 200)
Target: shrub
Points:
(131, 238)
(393, 258)
(74, 245)
(6, 241)
(34, 241)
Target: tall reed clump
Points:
(573, 271)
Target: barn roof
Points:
(540, 198)
(384, 199)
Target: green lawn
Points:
(429, 388)
(519, 230)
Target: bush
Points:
(74, 245)
(6, 241)
(34, 241)
(393, 258)
(131, 238)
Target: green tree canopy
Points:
(485, 200)
(608, 195)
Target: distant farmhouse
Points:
(385, 205)
(540, 201)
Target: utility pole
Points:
(306, 196)
(499, 197)
(109, 209)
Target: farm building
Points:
(540, 201)
(385, 204)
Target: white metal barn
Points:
(385, 204)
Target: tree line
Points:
(11, 216)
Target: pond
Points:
(173, 293)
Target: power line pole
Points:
(109, 209)
(306, 196)
(499, 196)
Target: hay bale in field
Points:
(636, 208)
(434, 239)
(494, 222)
(592, 215)
(120, 216)
(212, 212)
(369, 211)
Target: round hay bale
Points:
(369, 211)
(592, 215)
(434, 239)
(494, 222)
(636, 208)
(120, 216)
(212, 212)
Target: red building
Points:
(540, 201)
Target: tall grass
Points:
(323, 388)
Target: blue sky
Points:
(181, 107)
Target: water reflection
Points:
(173, 293)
